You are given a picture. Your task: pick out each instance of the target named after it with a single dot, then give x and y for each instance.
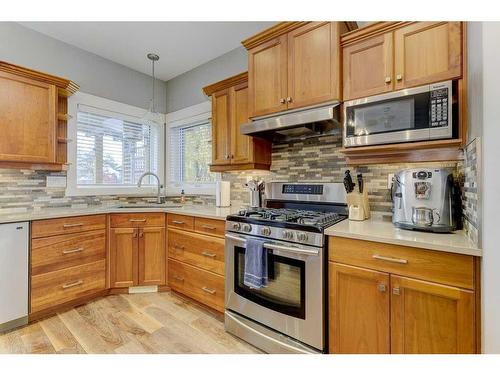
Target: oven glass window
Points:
(285, 291)
(393, 115)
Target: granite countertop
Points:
(379, 228)
(207, 211)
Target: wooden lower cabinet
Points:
(138, 252)
(392, 299)
(359, 310)
(429, 318)
(203, 286)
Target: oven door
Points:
(415, 114)
(292, 302)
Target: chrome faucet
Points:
(159, 198)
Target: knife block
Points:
(359, 208)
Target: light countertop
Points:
(380, 229)
(207, 211)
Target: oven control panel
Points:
(302, 189)
(439, 107)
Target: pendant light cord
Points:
(153, 106)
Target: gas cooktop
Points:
(283, 216)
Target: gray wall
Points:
(475, 79)
(95, 75)
(185, 90)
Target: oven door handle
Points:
(273, 246)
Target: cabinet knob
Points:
(282, 100)
(289, 99)
(381, 287)
(396, 291)
(387, 79)
(399, 77)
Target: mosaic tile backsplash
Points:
(25, 190)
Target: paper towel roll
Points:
(222, 194)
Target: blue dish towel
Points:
(255, 264)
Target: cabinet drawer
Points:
(67, 250)
(180, 221)
(441, 267)
(202, 286)
(53, 227)
(55, 288)
(135, 220)
(209, 226)
(197, 249)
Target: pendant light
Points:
(152, 117)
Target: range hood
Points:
(296, 123)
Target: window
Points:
(112, 148)
(190, 151)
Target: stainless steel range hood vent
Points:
(296, 124)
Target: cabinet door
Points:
(359, 310)
(221, 118)
(313, 64)
(426, 52)
(429, 318)
(367, 67)
(123, 246)
(241, 150)
(267, 77)
(28, 117)
(152, 257)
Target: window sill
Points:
(191, 189)
(129, 191)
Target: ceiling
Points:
(181, 46)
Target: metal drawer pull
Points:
(389, 259)
(177, 222)
(208, 227)
(70, 285)
(381, 287)
(178, 278)
(71, 251)
(395, 290)
(137, 220)
(207, 290)
(180, 247)
(209, 255)
(72, 225)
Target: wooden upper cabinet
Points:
(368, 67)
(241, 150)
(313, 64)
(27, 119)
(294, 65)
(33, 117)
(152, 256)
(429, 318)
(359, 310)
(267, 66)
(232, 150)
(221, 117)
(426, 52)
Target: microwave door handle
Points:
(273, 246)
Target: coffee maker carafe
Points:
(425, 199)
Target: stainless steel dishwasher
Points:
(14, 249)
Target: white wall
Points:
(491, 183)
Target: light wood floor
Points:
(128, 324)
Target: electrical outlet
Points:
(56, 181)
(390, 178)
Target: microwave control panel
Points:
(439, 107)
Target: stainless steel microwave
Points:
(415, 114)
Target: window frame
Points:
(197, 113)
(72, 188)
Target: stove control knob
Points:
(266, 231)
(247, 227)
(302, 237)
(287, 235)
(236, 226)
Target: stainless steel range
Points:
(288, 315)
